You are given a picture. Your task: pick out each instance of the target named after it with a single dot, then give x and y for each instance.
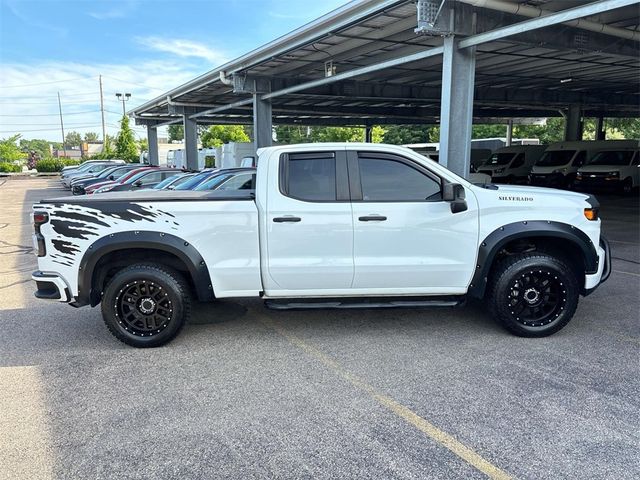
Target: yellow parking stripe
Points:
(433, 432)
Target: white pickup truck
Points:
(328, 226)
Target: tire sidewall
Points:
(502, 288)
(137, 273)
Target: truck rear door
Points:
(309, 225)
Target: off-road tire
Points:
(524, 283)
(146, 305)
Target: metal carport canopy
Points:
(386, 73)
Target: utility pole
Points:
(104, 131)
(64, 149)
(123, 97)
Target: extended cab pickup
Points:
(328, 225)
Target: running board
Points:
(371, 302)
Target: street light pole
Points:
(123, 97)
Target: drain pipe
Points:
(224, 79)
(533, 12)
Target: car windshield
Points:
(556, 158)
(500, 159)
(182, 179)
(166, 181)
(195, 180)
(612, 158)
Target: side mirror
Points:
(454, 194)
(111, 177)
(138, 183)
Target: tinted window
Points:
(620, 158)
(581, 157)
(389, 180)
(310, 178)
(556, 158)
(239, 182)
(499, 159)
(519, 161)
(153, 177)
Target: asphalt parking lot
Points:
(246, 392)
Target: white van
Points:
(512, 164)
(560, 163)
(617, 169)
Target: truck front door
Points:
(406, 239)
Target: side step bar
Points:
(371, 302)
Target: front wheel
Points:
(146, 305)
(533, 294)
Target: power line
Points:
(47, 83)
(48, 114)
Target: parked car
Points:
(512, 164)
(611, 170)
(173, 181)
(70, 168)
(78, 185)
(336, 225)
(91, 189)
(145, 179)
(244, 179)
(559, 164)
(195, 180)
(86, 171)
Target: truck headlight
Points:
(499, 170)
(579, 176)
(612, 176)
(560, 170)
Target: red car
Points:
(92, 188)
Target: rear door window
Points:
(309, 176)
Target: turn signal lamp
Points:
(591, 213)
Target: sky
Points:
(142, 47)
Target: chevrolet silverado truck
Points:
(327, 226)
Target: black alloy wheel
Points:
(533, 294)
(146, 305)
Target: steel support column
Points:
(152, 140)
(368, 134)
(509, 133)
(262, 122)
(456, 116)
(601, 133)
(573, 123)
(191, 142)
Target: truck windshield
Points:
(499, 159)
(612, 158)
(556, 158)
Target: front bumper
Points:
(597, 182)
(593, 281)
(50, 287)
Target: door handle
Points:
(372, 218)
(286, 219)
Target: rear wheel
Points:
(146, 305)
(533, 294)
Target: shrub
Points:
(54, 164)
(209, 161)
(10, 168)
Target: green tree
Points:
(9, 150)
(290, 134)
(404, 134)
(143, 145)
(337, 134)
(217, 135)
(176, 133)
(91, 137)
(378, 133)
(552, 131)
(126, 148)
(73, 139)
(41, 147)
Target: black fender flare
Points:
(165, 242)
(497, 239)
